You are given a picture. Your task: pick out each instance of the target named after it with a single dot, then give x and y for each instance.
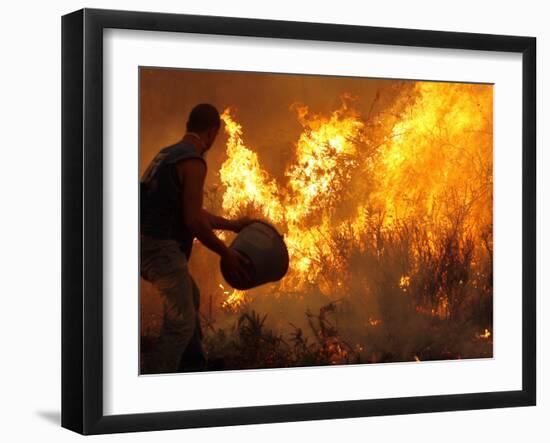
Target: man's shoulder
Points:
(177, 147)
(180, 152)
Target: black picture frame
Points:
(82, 220)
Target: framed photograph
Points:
(269, 221)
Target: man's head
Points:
(204, 120)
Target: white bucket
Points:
(267, 252)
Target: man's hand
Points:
(236, 266)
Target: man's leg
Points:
(165, 266)
(193, 358)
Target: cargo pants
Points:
(165, 265)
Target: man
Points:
(171, 192)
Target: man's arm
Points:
(192, 174)
(225, 224)
(218, 222)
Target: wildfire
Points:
(325, 155)
(426, 158)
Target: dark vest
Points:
(161, 214)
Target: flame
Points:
(374, 321)
(233, 299)
(440, 149)
(246, 183)
(326, 155)
(485, 335)
(404, 282)
(427, 158)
